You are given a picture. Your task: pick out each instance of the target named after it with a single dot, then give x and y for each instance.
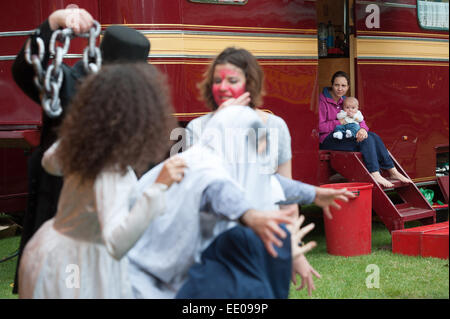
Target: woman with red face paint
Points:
(236, 78)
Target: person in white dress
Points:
(118, 124)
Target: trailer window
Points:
(433, 14)
(239, 2)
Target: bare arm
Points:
(51, 161)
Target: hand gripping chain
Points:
(49, 81)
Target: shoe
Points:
(338, 135)
(348, 134)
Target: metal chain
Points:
(92, 53)
(49, 81)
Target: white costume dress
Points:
(281, 154)
(80, 253)
(279, 149)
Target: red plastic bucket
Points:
(349, 233)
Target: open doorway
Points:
(336, 43)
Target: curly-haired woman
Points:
(118, 124)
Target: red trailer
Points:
(396, 53)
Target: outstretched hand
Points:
(297, 234)
(300, 264)
(266, 225)
(302, 267)
(326, 197)
(172, 171)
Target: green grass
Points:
(400, 277)
(8, 268)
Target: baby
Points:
(350, 117)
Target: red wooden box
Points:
(435, 244)
(425, 241)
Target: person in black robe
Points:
(119, 43)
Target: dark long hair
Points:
(340, 74)
(121, 116)
(243, 59)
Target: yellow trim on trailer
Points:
(187, 45)
(408, 63)
(401, 49)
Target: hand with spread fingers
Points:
(301, 266)
(266, 225)
(297, 234)
(172, 171)
(326, 197)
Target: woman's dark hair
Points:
(121, 116)
(340, 74)
(243, 59)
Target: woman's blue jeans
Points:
(375, 154)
